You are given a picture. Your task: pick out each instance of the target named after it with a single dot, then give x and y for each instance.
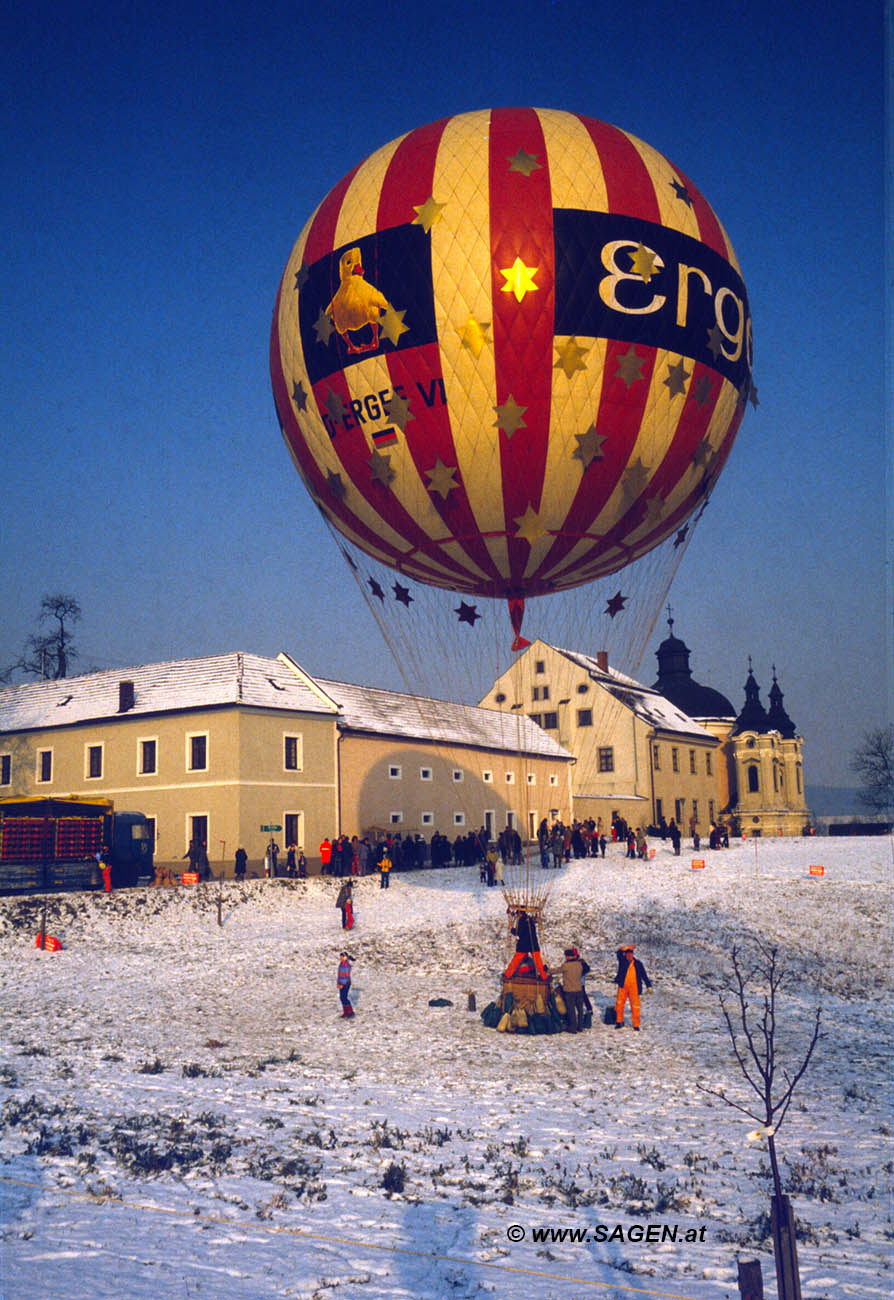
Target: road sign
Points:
(267, 829)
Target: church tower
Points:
(767, 768)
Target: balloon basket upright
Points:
(526, 1005)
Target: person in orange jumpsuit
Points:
(630, 979)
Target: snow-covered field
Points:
(185, 1114)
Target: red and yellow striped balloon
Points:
(511, 351)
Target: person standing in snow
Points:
(573, 970)
(630, 979)
(527, 945)
(384, 869)
(343, 983)
(345, 903)
(240, 864)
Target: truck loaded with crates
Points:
(55, 843)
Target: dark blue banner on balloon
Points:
(623, 278)
(371, 296)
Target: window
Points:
(532, 779)
(553, 779)
(540, 666)
(709, 765)
(294, 827)
(675, 759)
(692, 761)
(582, 688)
(487, 778)
(428, 819)
(711, 816)
(500, 698)
(754, 784)
(607, 759)
(510, 778)
(536, 717)
(93, 762)
(457, 774)
(585, 717)
(197, 752)
(694, 810)
(293, 757)
(550, 721)
(5, 769)
(425, 774)
(44, 765)
(459, 819)
(147, 760)
(540, 693)
(659, 810)
(394, 772)
(678, 811)
(396, 818)
(656, 758)
(198, 829)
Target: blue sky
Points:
(159, 163)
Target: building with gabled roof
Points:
(216, 748)
(639, 758)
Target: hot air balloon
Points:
(510, 352)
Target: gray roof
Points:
(645, 702)
(256, 682)
(368, 709)
(180, 684)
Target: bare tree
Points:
(48, 655)
(873, 762)
(753, 1034)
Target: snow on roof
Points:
(180, 684)
(645, 702)
(366, 708)
(257, 682)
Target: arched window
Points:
(754, 784)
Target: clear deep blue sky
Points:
(158, 163)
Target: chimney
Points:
(602, 660)
(125, 696)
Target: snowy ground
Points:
(186, 1115)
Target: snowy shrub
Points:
(394, 1178)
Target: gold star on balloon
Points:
(441, 478)
(530, 526)
(380, 468)
(510, 416)
(702, 454)
(473, 335)
(642, 262)
(399, 412)
(301, 277)
(654, 512)
(589, 446)
(392, 324)
(335, 406)
(427, 213)
(299, 396)
(336, 486)
(323, 328)
(524, 162)
(703, 390)
(635, 479)
(519, 279)
(630, 366)
(570, 357)
(676, 378)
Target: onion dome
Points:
(675, 682)
(777, 718)
(753, 716)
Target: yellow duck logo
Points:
(355, 303)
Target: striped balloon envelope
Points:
(511, 351)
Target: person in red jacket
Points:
(630, 979)
(325, 856)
